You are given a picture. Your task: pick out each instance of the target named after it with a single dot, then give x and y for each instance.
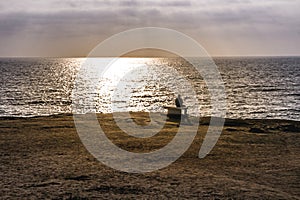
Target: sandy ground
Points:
(43, 157)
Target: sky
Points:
(70, 28)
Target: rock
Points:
(231, 129)
(256, 130)
(289, 128)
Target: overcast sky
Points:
(222, 27)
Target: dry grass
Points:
(43, 157)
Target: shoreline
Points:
(43, 157)
(204, 117)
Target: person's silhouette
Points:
(179, 101)
(179, 104)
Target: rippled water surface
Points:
(256, 87)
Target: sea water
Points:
(256, 87)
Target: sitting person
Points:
(179, 101)
(179, 104)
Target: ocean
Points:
(256, 87)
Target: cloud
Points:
(79, 24)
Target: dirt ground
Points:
(43, 158)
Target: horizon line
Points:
(213, 56)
